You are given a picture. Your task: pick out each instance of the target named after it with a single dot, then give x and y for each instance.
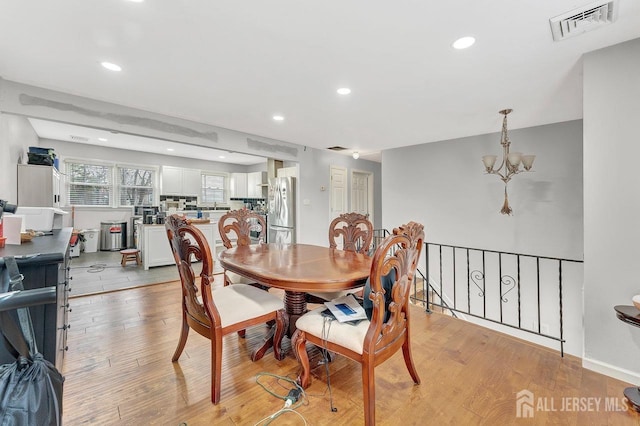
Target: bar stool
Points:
(130, 254)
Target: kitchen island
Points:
(154, 245)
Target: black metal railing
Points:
(515, 290)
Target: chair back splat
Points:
(239, 224)
(355, 229)
(371, 342)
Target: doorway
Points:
(362, 193)
(338, 191)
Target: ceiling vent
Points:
(586, 18)
(337, 148)
(78, 138)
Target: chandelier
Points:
(510, 163)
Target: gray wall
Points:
(612, 205)
(443, 185)
(16, 136)
(315, 173)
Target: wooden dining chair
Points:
(214, 313)
(374, 340)
(349, 232)
(236, 225)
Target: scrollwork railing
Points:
(511, 289)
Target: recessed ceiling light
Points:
(278, 117)
(111, 67)
(170, 149)
(356, 155)
(103, 139)
(464, 42)
(221, 156)
(344, 91)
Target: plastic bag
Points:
(30, 387)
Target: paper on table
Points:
(346, 308)
(12, 224)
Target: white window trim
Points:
(225, 189)
(115, 184)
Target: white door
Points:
(360, 193)
(338, 191)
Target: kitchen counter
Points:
(155, 249)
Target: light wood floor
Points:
(118, 371)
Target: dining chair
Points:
(349, 232)
(214, 313)
(237, 225)
(374, 340)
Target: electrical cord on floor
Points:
(96, 267)
(292, 400)
(278, 413)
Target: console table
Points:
(44, 262)
(630, 315)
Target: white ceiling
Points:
(235, 64)
(71, 133)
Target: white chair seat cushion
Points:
(346, 335)
(237, 278)
(240, 302)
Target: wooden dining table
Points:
(298, 269)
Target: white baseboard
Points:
(611, 371)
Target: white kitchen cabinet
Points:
(238, 185)
(192, 182)
(156, 251)
(171, 180)
(287, 172)
(38, 186)
(255, 182)
(180, 181)
(215, 216)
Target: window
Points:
(136, 186)
(213, 186)
(114, 185)
(89, 184)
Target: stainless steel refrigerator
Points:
(281, 205)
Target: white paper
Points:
(12, 225)
(346, 308)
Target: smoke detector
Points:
(586, 18)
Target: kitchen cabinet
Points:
(287, 172)
(155, 249)
(238, 185)
(255, 182)
(45, 262)
(38, 186)
(180, 181)
(215, 216)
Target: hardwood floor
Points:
(118, 371)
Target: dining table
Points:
(297, 269)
